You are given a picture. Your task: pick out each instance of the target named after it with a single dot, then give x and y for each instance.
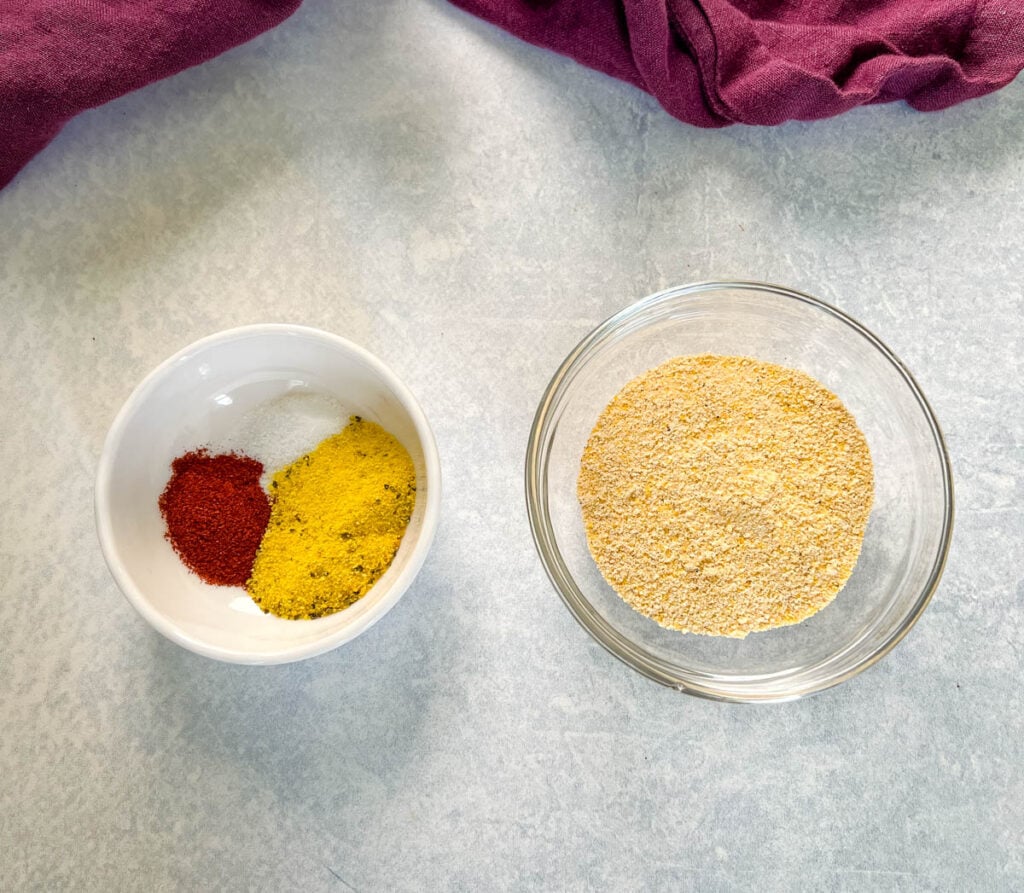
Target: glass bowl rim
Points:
(572, 596)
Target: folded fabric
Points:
(718, 62)
(709, 62)
(60, 57)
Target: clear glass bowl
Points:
(908, 533)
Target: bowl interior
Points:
(907, 533)
(203, 396)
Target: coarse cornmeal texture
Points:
(337, 518)
(724, 495)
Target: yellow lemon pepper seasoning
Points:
(337, 517)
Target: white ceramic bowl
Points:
(198, 396)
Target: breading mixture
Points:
(724, 495)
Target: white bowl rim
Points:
(636, 657)
(127, 585)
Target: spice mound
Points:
(724, 495)
(337, 518)
(215, 511)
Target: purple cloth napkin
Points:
(60, 57)
(718, 62)
(709, 62)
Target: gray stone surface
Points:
(467, 207)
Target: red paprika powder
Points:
(216, 513)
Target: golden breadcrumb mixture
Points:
(724, 495)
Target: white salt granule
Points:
(281, 430)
